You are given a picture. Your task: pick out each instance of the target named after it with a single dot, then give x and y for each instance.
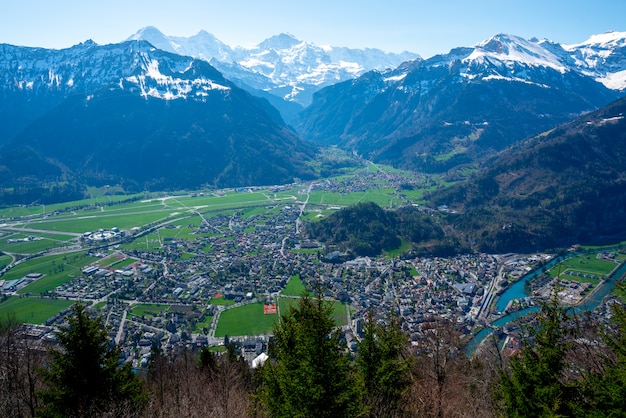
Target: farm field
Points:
(123, 263)
(4, 260)
(117, 262)
(33, 310)
(44, 241)
(82, 224)
(17, 211)
(382, 197)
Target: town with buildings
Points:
(227, 261)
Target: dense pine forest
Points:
(564, 365)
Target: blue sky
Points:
(425, 27)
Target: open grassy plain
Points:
(57, 269)
(33, 310)
(294, 287)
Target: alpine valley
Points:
(164, 113)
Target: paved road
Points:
(303, 207)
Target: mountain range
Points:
(451, 109)
(282, 69)
(133, 113)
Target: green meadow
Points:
(58, 269)
(82, 224)
(382, 197)
(586, 264)
(245, 320)
(100, 201)
(5, 260)
(294, 287)
(33, 310)
(45, 241)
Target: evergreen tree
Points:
(384, 367)
(605, 389)
(309, 374)
(534, 386)
(83, 378)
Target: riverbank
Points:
(517, 291)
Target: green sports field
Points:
(245, 320)
(587, 264)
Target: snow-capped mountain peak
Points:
(281, 65)
(281, 41)
(132, 65)
(203, 45)
(602, 56)
(611, 39)
(513, 49)
(147, 31)
(154, 36)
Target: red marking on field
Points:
(217, 295)
(269, 309)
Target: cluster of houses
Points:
(251, 255)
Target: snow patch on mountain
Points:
(167, 87)
(603, 57)
(516, 79)
(614, 81)
(395, 78)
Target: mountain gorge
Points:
(452, 109)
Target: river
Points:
(517, 291)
